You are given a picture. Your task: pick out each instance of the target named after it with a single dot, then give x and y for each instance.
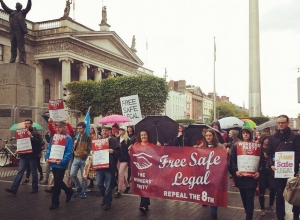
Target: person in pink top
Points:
(143, 139)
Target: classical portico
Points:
(63, 50)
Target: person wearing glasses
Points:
(283, 140)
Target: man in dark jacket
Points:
(17, 29)
(106, 177)
(283, 140)
(30, 158)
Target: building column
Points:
(98, 73)
(39, 82)
(65, 69)
(83, 71)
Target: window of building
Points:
(1, 52)
(47, 90)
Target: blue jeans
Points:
(22, 167)
(76, 165)
(104, 183)
(213, 209)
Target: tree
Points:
(104, 96)
(224, 109)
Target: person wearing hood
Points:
(181, 140)
(247, 185)
(216, 125)
(266, 179)
(283, 140)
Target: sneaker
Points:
(126, 190)
(118, 195)
(143, 210)
(41, 178)
(271, 208)
(44, 182)
(25, 182)
(34, 191)
(106, 207)
(76, 193)
(83, 195)
(49, 190)
(52, 207)
(263, 212)
(102, 203)
(11, 191)
(69, 196)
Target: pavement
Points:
(25, 206)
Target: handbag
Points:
(291, 193)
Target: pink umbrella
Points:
(111, 119)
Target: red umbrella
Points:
(111, 119)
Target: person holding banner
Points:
(28, 158)
(59, 153)
(82, 148)
(143, 140)
(283, 141)
(211, 141)
(245, 176)
(105, 177)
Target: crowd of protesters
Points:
(121, 140)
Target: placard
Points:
(56, 110)
(23, 141)
(180, 173)
(131, 108)
(100, 153)
(248, 156)
(57, 148)
(284, 164)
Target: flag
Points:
(215, 51)
(87, 120)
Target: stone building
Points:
(62, 50)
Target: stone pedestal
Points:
(17, 87)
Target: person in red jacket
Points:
(69, 128)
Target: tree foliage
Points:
(104, 96)
(259, 120)
(185, 121)
(224, 109)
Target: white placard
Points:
(56, 153)
(24, 146)
(101, 159)
(131, 108)
(284, 164)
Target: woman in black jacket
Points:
(181, 140)
(246, 184)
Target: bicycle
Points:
(7, 153)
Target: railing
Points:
(49, 24)
(5, 16)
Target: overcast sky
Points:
(180, 38)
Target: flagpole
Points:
(146, 53)
(215, 118)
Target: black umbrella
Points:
(46, 116)
(194, 132)
(161, 128)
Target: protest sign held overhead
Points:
(56, 110)
(131, 108)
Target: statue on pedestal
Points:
(104, 16)
(67, 9)
(17, 29)
(133, 44)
